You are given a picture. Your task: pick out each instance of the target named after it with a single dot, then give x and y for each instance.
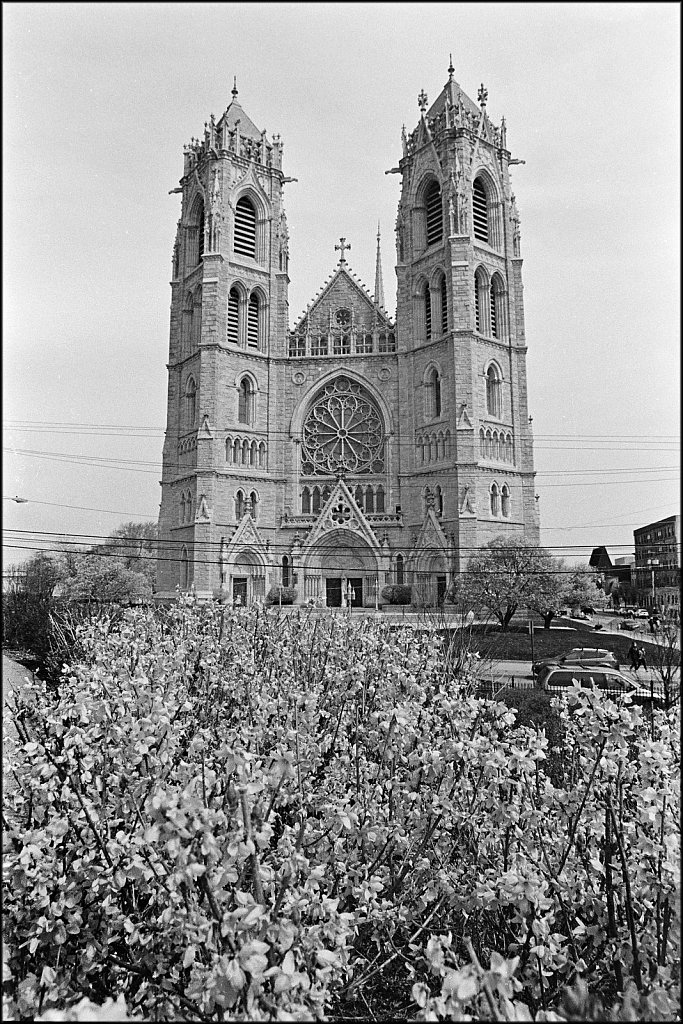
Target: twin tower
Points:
(347, 451)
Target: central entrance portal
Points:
(334, 585)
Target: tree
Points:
(100, 577)
(29, 601)
(135, 547)
(665, 655)
(505, 574)
(564, 585)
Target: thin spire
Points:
(233, 91)
(379, 284)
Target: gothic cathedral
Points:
(348, 451)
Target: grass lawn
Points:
(515, 645)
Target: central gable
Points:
(343, 293)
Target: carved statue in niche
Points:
(516, 234)
(461, 199)
(215, 215)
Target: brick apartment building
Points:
(350, 447)
(657, 570)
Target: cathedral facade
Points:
(350, 450)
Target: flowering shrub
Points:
(227, 814)
(279, 594)
(397, 593)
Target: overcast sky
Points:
(99, 100)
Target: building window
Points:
(497, 307)
(369, 500)
(443, 305)
(190, 402)
(493, 391)
(505, 501)
(245, 228)
(428, 313)
(481, 302)
(358, 495)
(195, 234)
(253, 501)
(433, 403)
(285, 571)
(387, 342)
(399, 570)
(262, 455)
(297, 346)
(245, 412)
(480, 211)
(315, 502)
(253, 321)
(233, 333)
(181, 513)
(240, 505)
(319, 345)
(184, 569)
(434, 213)
(306, 501)
(438, 501)
(495, 500)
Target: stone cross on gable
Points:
(341, 247)
(482, 95)
(422, 100)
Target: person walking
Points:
(633, 655)
(641, 659)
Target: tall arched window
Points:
(480, 211)
(315, 503)
(428, 312)
(285, 571)
(493, 391)
(190, 403)
(245, 452)
(253, 321)
(196, 330)
(188, 508)
(253, 454)
(325, 494)
(433, 410)
(245, 412)
(184, 569)
(358, 495)
(181, 512)
(245, 227)
(236, 446)
(434, 213)
(233, 332)
(369, 499)
(443, 305)
(195, 233)
(505, 500)
(253, 499)
(399, 570)
(240, 505)
(481, 302)
(188, 315)
(438, 501)
(306, 501)
(262, 455)
(495, 500)
(497, 307)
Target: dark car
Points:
(629, 624)
(580, 656)
(556, 678)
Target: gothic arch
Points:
(498, 307)
(493, 205)
(307, 399)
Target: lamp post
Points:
(652, 562)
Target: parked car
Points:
(629, 624)
(642, 613)
(556, 678)
(580, 656)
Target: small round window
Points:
(343, 317)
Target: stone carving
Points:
(516, 234)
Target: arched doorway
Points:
(430, 581)
(341, 566)
(247, 578)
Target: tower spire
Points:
(379, 284)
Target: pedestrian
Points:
(641, 658)
(633, 655)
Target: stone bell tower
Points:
(229, 319)
(460, 320)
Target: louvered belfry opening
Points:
(477, 304)
(494, 322)
(252, 321)
(434, 219)
(480, 211)
(245, 228)
(428, 313)
(444, 306)
(234, 316)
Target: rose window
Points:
(343, 432)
